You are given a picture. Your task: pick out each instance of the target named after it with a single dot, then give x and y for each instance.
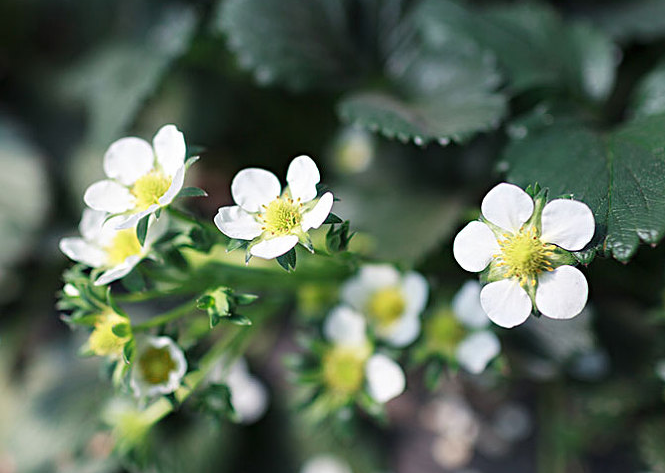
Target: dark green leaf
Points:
(338, 237)
(128, 351)
(651, 443)
(620, 175)
(142, 229)
(642, 20)
(288, 260)
(202, 239)
(332, 218)
(192, 192)
(134, 281)
(239, 319)
(649, 96)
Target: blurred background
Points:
(256, 83)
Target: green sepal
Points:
(239, 319)
(288, 260)
(234, 244)
(122, 330)
(128, 351)
(338, 237)
(191, 192)
(142, 229)
(332, 219)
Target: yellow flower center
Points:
(386, 306)
(149, 188)
(156, 364)
(524, 255)
(281, 216)
(344, 369)
(443, 332)
(125, 243)
(103, 341)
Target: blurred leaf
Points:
(649, 95)
(620, 175)
(290, 42)
(534, 45)
(642, 20)
(192, 192)
(114, 81)
(651, 444)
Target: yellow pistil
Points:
(443, 332)
(281, 216)
(156, 364)
(103, 341)
(149, 188)
(524, 255)
(386, 306)
(125, 243)
(344, 369)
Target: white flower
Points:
(325, 464)
(141, 178)
(660, 369)
(248, 395)
(158, 368)
(273, 220)
(101, 245)
(349, 365)
(392, 302)
(526, 246)
(481, 346)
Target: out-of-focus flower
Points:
(130, 425)
(392, 302)
(326, 464)
(141, 178)
(660, 369)
(349, 364)
(275, 221)
(102, 246)
(249, 395)
(103, 341)
(158, 367)
(526, 245)
(354, 151)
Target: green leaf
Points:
(234, 244)
(128, 351)
(134, 281)
(245, 299)
(648, 98)
(205, 302)
(192, 192)
(642, 20)
(142, 229)
(619, 174)
(202, 239)
(239, 319)
(532, 43)
(338, 237)
(310, 43)
(651, 443)
(288, 260)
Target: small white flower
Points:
(349, 365)
(481, 346)
(392, 302)
(141, 178)
(660, 369)
(325, 464)
(101, 245)
(158, 368)
(526, 246)
(248, 395)
(273, 220)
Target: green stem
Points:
(189, 218)
(166, 317)
(153, 294)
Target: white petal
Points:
(249, 398)
(357, 290)
(568, 224)
(253, 187)
(404, 332)
(507, 206)
(415, 290)
(505, 303)
(315, 217)
(302, 177)
(174, 188)
(234, 222)
(128, 159)
(562, 293)
(128, 221)
(82, 251)
(108, 196)
(118, 272)
(326, 464)
(474, 246)
(91, 223)
(476, 351)
(170, 148)
(345, 326)
(467, 308)
(385, 378)
(274, 247)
